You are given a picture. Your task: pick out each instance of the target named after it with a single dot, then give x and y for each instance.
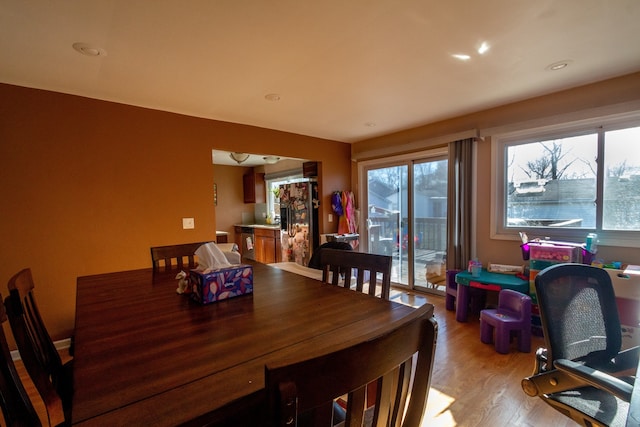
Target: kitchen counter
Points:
(259, 241)
(267, 226)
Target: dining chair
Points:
(302, 392)
(14, 400)
(339, 266)
(52, 378)
(172, 257)
(581, 371)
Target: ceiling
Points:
(341, 70)
(220, 157)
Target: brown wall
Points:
(88, 186)
(230, 197)
(588, 101)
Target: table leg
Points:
(462, 303)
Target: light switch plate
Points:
(188, 223)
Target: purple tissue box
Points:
(221, 284)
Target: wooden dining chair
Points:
(172, 257)
(52, 378)
(302, 393)
(14, 400)
(339, 266)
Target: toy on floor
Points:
(435, 274)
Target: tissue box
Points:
(221, 284)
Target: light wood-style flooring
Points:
(472, 385)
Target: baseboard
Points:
(60, 345)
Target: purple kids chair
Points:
(452, 290)
(512, 315)
(477, 296)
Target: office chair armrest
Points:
(550, 381)
(627, 360)
(595, 378)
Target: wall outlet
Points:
(188, 223)
(330, 218)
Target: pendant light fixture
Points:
(239, 157)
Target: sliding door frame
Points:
(408, 160)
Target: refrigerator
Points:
(299, 230)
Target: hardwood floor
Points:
(472, 385)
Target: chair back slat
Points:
(391, 362)
(172, 257)
(339, 266)
(356, 406)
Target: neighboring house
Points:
(381, 202)
(571, 203)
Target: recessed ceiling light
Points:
(272, 97)
(558, 65)
(484, 47)
(87, 49)
(461, 56)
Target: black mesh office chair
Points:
(314, 262)
(582, 372)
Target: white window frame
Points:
(622, 238)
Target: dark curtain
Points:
(459, 204)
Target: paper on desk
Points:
(210, 258)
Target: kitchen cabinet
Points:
(265, 242)
(254, 187)
(267, 245)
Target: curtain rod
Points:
(415, 145)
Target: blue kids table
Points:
(487, 281)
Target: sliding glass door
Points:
(429, 218)
(406, 218)
(387, 216)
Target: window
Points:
(273, 182)
(566, 182)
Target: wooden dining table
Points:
(145, 355)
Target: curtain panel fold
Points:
(459, 211)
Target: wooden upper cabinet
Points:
(254, 188)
